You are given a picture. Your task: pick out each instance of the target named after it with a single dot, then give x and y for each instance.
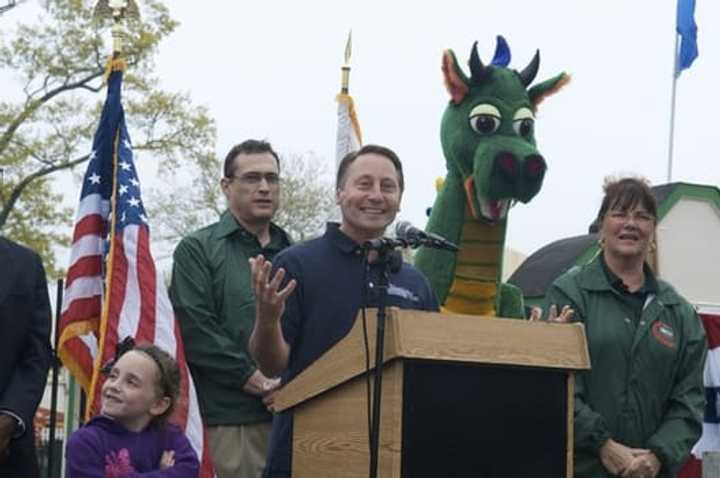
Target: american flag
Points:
(710, 439)
(112, 288)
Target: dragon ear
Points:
(455, 80)
(548, 87)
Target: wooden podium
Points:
(462, 396)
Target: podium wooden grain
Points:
(330, 436)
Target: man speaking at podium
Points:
(311, 300)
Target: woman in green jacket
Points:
(639, 410)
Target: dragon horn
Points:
(477, 70)
(502, 53)
(528, 74)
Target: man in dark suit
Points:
(25, 355)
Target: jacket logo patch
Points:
(664, 334)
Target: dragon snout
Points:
(516, 176)
(535, 166)
(510, 175)
(507, 164)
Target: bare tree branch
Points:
(27, 180)
(27, 112)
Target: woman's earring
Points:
(601, 243)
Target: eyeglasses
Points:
(256, 178)
(640, 217)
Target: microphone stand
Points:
(389, 261)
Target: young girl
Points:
(130, 437)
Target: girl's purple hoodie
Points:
(105, 449)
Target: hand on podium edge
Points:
(565, 317)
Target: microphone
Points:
(381, 244)
(417, 237)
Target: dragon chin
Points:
(491, 211)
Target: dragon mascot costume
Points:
(488, 141)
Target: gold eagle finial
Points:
(116, 8)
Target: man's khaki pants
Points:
(239, 451)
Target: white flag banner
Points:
(348, 130)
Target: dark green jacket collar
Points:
(648, 287)
(593, 277)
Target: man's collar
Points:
(340, 240)
(228, 226)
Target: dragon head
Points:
(488, 130)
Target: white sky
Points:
(271, 70)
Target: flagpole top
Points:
(345, 82)
(348, 49)
(117, 10)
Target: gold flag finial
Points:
(345, 82)
(117, 10)
(348, 48)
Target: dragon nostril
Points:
(507, 163)
(534, 166)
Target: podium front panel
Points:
(462, 420)
(331, 434)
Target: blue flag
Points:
(687, 29)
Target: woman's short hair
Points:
(625, 194)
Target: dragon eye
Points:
(524, 122)
(485, 119)
(524, 127)
(485, 124)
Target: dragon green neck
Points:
(478, 270)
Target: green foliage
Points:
(46, 128)
(58, 63)
(191, 198)
(307, 198)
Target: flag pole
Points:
(672, 110)
(345, 82)
(118, 11)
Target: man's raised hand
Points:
(269, 298)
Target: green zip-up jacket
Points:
(645, 388)
(213, 300)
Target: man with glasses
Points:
(213, 299)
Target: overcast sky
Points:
(272, 69)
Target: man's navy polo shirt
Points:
(331, 281)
